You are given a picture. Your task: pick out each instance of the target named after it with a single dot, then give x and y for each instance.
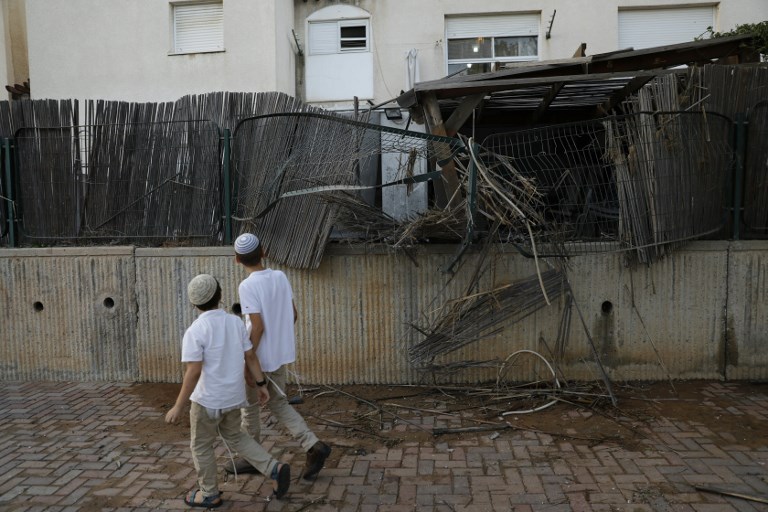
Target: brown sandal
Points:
(192, 498)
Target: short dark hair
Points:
(214, 302)
(252, 258)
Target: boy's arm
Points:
(254, 369)
(191, 376)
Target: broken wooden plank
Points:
(462, 113)
(447, 189)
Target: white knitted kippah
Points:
(246, 243)
(201, 289)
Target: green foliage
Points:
(759, 30)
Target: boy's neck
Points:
(254, 268)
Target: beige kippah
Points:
(201, 289)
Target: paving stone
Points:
(67, 448)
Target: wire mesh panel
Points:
(291, 172)
(756, 172)
(634, 183)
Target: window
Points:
(479, 43)
(644, 28)
(198, 27)
(340, 36)
(339, 62)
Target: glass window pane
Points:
(355, 31)
(454, 68)
(516, 46)
(470, 68)
(479, 67)
(475, 48)
(351, 44)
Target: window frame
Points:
(493, 60)
(218, 31)
(353, 22)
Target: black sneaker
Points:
(242, 466)
(316, 459)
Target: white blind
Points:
(323, 37)
(492, 26)
(644, 28)
(198, 27)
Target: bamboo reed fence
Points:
(152, 174)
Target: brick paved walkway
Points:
(65, 447)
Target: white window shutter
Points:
(198, 27)
(492, 26)
(644, 28)
(323, 37)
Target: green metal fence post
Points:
(741, 143)
(227, 190)
(10, 217)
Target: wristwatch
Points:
(262, 383)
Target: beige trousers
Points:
(203, 433)
(278, 405)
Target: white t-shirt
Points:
(219, 340)
(269, 293)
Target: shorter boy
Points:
(213, 348)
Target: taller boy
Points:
(266, 300)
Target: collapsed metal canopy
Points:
(563, 90)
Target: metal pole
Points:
(741, 132)
(227, 190)
(9, 194)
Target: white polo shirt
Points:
(219, 340)
(268, 293)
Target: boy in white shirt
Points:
(213, 348)
(266, 300)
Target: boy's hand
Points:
(263, 394)
(174, 415)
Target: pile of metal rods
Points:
(470, 318)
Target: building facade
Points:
(326, 52)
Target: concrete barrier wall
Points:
(119, 314)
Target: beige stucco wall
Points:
(14, 67)
(399, 25)
(89, 49)
(5, 45)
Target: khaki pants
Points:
(203, 433)
(278, 405)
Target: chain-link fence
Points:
(292, 173)
(635, 183)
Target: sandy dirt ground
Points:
(372, 416)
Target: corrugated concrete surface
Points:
(68, 314)
(746, 354)
(119, 313)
